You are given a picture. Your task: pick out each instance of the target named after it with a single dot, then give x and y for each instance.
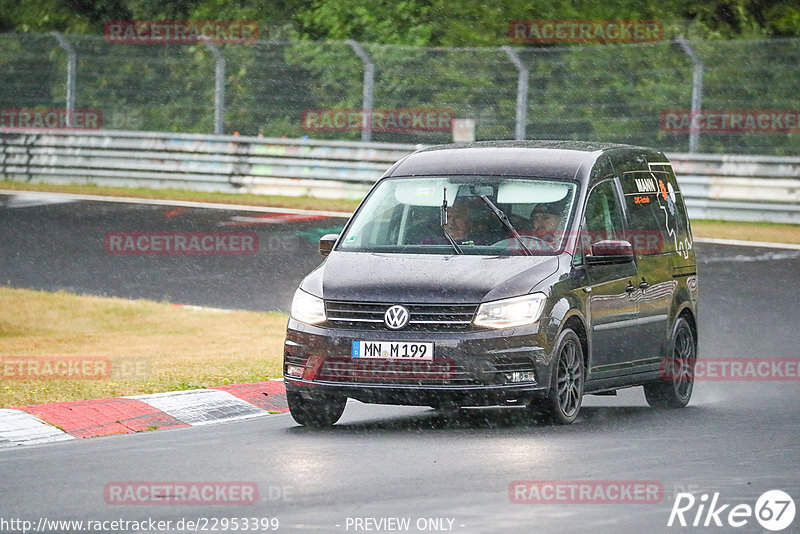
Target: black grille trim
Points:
(422, 317)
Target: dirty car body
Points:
(414, 307)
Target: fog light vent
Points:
(295, 371)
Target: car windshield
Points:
(486, 215)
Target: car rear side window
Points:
(655, 207)
(681, 239)
(645, 218)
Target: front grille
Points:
(422, 317)
(444, 371)
(441, 371)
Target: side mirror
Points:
(610, 252)
(326, 243)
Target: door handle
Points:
(643, 284)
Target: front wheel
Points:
(675, 388)
(566, 387)
(318, 411)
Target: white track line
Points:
(180, 203)
(741, 243)
(204, 308)
(201, 406)
(21, 428)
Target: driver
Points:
(467, 222)
(458, 222)
(547, 221)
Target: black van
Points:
(501, 273)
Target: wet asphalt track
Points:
(61, 246)
(736, 438)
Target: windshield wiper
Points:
(443, 222)
(504, 219)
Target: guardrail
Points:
(743, 188)
(230, 164)
(740, 188)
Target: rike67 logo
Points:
(774, 510)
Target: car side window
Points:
(603, 214)
(602, 219)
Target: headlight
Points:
(515, 311)
(308, 308)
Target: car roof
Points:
(550, 159)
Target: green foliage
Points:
(411, 22)
(32, 72)
(427, 53)
(783, 19)
(384, 21)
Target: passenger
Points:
(547, 223)
(547, 217)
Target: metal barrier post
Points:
(522, 92)
(72, 60)
(369, 85)
(219, 87)
(697, 90)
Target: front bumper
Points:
(473, 367)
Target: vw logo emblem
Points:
(396, 317)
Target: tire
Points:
(318, 412)
(563, 402)
(675, 388)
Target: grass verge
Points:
(770, 232)
(151, 347)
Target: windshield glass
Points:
(408, 215)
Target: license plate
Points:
(393, 350)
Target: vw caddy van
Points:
(501, 274)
